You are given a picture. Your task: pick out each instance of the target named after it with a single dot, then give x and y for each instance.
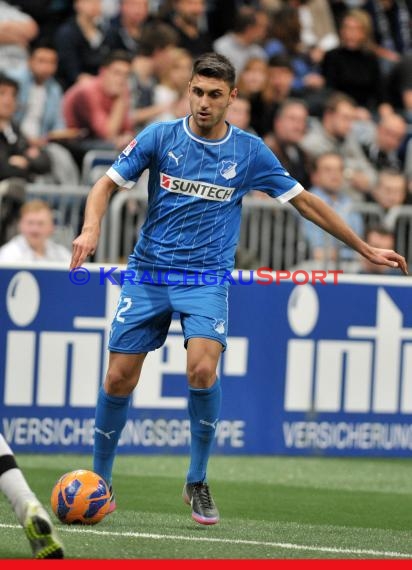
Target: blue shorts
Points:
(144, 314)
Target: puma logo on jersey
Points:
(175, 158)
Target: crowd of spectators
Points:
(326, 83)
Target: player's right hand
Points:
(83, 246)
(387, 257)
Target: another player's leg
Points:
(112, 410)
(30, 513)
(204, 409)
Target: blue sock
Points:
(204, 410)
(110, 419)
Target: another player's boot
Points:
(113, 506)
(204, 510)
(40, 532)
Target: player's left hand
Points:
(387, 257)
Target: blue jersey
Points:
(196, 186)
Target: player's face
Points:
(209, 100)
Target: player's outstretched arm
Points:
(317, 211)
(86, 243)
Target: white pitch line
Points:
(284, 545)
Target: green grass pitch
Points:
(271, 507)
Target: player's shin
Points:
(204, 411)
(111, 416)
(14, 485)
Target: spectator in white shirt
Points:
(33, 243)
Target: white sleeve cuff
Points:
(294, 191)
(119, 180)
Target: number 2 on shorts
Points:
(127, 303)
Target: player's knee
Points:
(201, 374)
(119, 383)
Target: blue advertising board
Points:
(309, 369)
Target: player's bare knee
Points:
(202, 374)
(117, 383)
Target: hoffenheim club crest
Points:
(228, 169)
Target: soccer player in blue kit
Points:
(200, 168)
